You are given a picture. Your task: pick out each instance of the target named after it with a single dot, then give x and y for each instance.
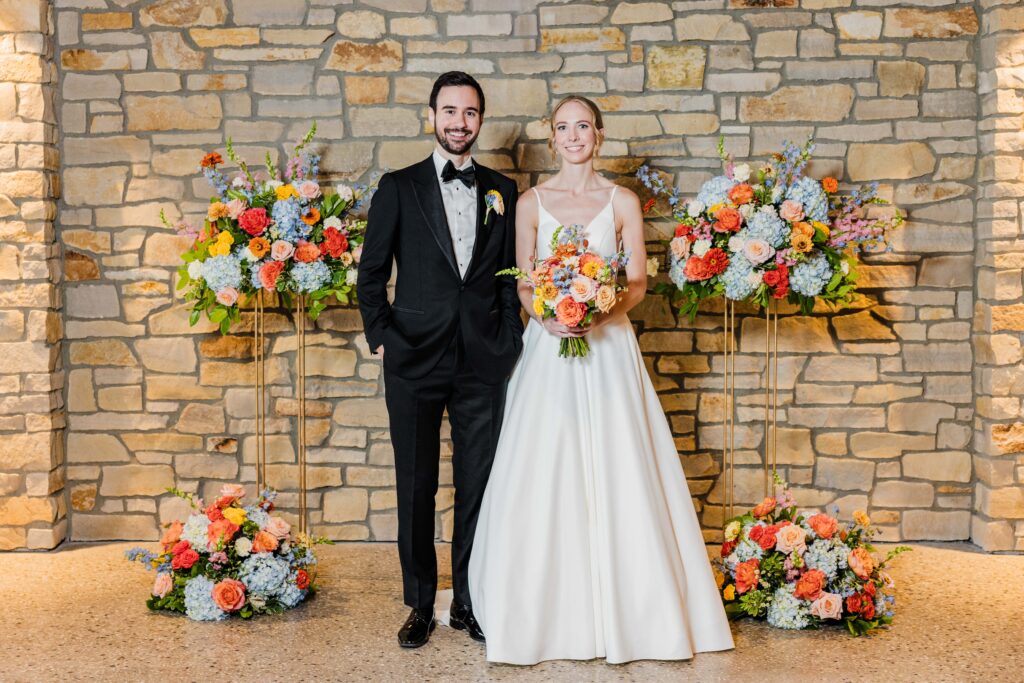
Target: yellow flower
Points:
(712, 210)
(801, 243)
(286, 191)
(234, 515)
(821, 226)
(548, 292)
(732, 530)
(730, 592)
(225, 237)
(220, 248)
(591, 268)
(538, 306)
(719, 578)
(860, 517)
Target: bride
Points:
(587, 543)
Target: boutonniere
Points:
(493, 202)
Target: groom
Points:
(448, 341)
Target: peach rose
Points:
(234, 491)
(824, 525)
(764, 508)
(757, 250)
(235, 208)
(605, 298)
(229, 595)
(791, 211)
(741, 194)
(582, 289)
(791, 538)
(569, 312)
(172, 535)
(308, 189)
(828, 606)
(265, 542)
(810, 585)
(278, 528)
(281, 250)
(227, 296)
(163, 584)
(747, 575)
(680, 247)
(861, 563)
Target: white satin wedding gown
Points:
(587, 544)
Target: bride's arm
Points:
(627, 206)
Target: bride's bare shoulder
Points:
(626, 200)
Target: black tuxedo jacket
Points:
(433, 303)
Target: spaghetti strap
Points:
(540, 206)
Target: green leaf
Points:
(217, 315)
(193, 317)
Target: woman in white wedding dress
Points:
(587, 544)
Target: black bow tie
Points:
(466, 175)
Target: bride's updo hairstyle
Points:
(594, 109)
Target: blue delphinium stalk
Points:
(199, 604)
(264, 573)
(222, 271)
(288, 223)
(716, 190)
(788, 611)
(811, 195)
(737, 278)
(142, 556)
(768, 226)
(562, 278)
(811, 276)
(217, 181)
(310, 277)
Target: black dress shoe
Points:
(461, 617)
(416, 630)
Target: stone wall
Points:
(878, 407)
(33, 508)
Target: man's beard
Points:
(455, 148)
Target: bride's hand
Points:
(557, 329)
(602, 319)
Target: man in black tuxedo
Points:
(449, 340)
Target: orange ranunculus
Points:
(302, 579)
(172, 535)
(824, 525)
(829, 184)
(265, 542)
(741, 194)
(649, 204)
(727, 219)
(259, 246)
(810, 585)
(311, 216)
(569, 312)
(229, 595)
(861, 563)
(212, 160)
(220, 533)
(764, 508)
(565, 250)
(307, 252)
(697, 269)
(747, 575)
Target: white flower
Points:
(732, 530)
(239, 181)
(351, 277)
(736, 243)
(243, 546)
(652, 266)
(747, 210)
(741, 172)
(274, 184)
(700, 247)
(694, 208)
(257, 600)
(333, 222)
(777, 193)
(769, 209)
(195, 270)
(754, 277)
(845, 267)
(345, 192)
(248, 255)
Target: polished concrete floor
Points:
(78, 614)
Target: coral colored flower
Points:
(828, 606)
(747, 575)
(281, 250)
(765, 507)
(697, 269)
(254, 221)
(213, 513)
(649, 204)
(264, 542)
(172, 535)
(308, 189)
(212, 160)
(810, 585)
(861, 563)
(185, 559)
(741, 194)
(163, 584)
(825, 526)
(220, 533)
(728, 219)
(269, 273)
(569, 312)
(235, 515)
(259, 246)
(227, 296)
(829, 184)
(335, 243)
(302, 579)
(307, 252)
(682, 230)
(229, 595)
(717, 260)
(311, 216)
(791, 211)
(803, 228)
(605, 298)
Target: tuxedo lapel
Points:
(428, 197)
(484, 183)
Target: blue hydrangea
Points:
(811, 195)
(747, 550)
(264, 573)
(199, 604)
(310, 277)
(716, 190)
(290, 594)
(737, 278)
(288, 223)
(194, 531)
(254, 275)
(811, 276)
(221, 272)
(769, 227)
(788, 611)
(677, 272)
(257, 514)
(826, 556)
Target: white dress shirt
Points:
(460, 208)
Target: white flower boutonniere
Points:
(493, 202)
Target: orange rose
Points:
(747, 575)
(259, 247)
(307, 252)
(803, 228)
(229, 595)
(823, 525)
(861, 563)
(829, 184)
(810, 585)
(727, 220)
(220, 533)
(172, 535)
(265, 542)
(570, 313)
(741, 194)
(764, 508)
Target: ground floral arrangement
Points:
(800, 572)
(269, 231)
(230, 559)
(768, 233)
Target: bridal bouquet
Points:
(770, 232)
(800, 572)
(573, 285)
(228, 559)
(266, 231)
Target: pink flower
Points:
(227, 296)
(357, 253)
(235, 208)
(583, 289)
(281, 250)
(219, 558)
(791, 211)
(791, 537)
(308, 189)
(278, 528)
(235, 491)
(163, 584)
(757, 250)
(680, 247)
(861, 563)
(827, 606)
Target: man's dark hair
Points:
(455, 78)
